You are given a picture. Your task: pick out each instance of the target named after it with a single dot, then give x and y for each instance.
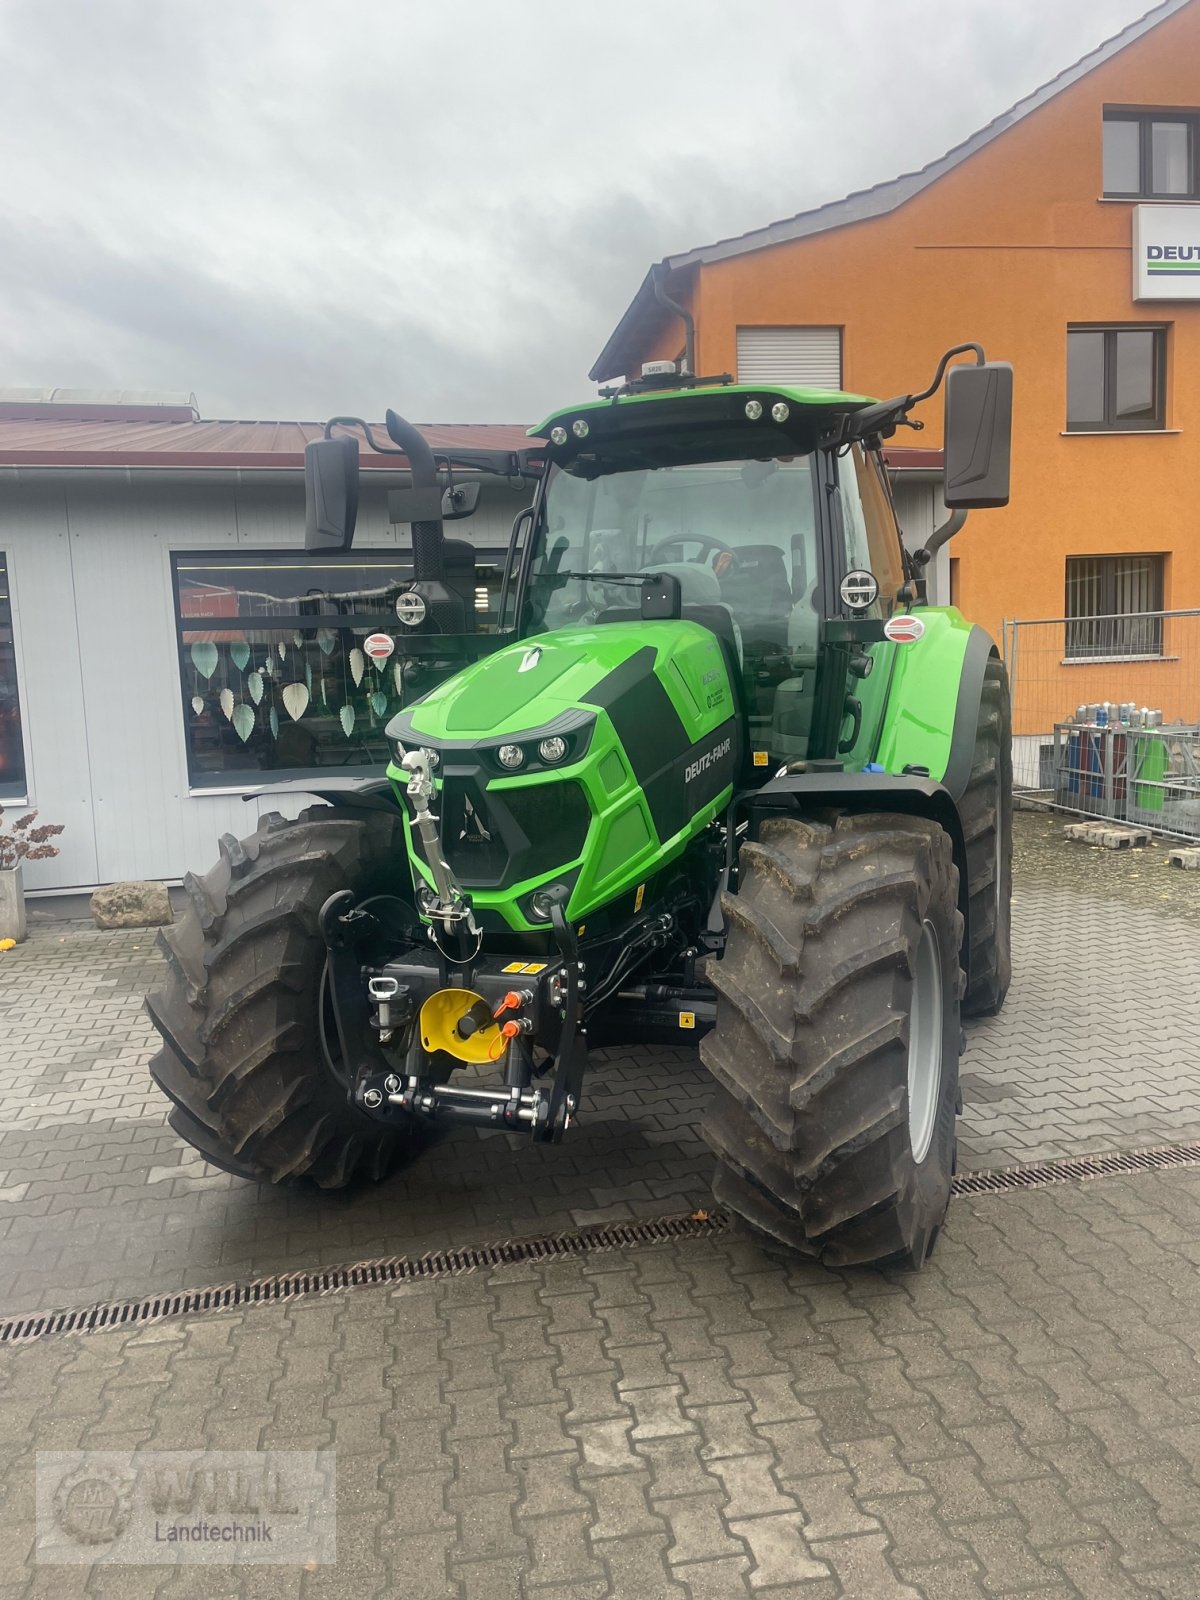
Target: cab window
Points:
(872, 537)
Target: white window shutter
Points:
(807, 356)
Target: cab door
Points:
(863, 552)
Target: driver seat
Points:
(759, 593)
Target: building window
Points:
(1151, 155)
(12, 751)
(810, 357)
(1114, 606)
(273, 670)
(1116, 379)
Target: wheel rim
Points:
(925, 1043)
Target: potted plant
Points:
(21, 840)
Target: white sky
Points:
(298, 209)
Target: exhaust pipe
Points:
(428, 556)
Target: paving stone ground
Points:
(1095, 1049)
(702, 1421)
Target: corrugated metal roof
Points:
(49, 442)
(613, 361)
(252, 445)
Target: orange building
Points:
(1065, 238)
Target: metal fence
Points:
(1106, 715)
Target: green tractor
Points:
(725, 778)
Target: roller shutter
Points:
(810, 356)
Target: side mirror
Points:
(460, 501)
(978, 435)
(330, 493)
(430, 504)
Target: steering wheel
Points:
(705, 540)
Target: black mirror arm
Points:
(954, 350)
(357, 422)
(886, 416)
(517, 466)
(941, 535)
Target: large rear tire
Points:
(835, 1050)
(986, 813)
(240, 1010)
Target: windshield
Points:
(738, 534)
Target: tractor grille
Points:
(554, 818)
(471, 838)
(503, 836)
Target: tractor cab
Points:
(756, 505)
(762, 513)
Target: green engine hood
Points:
(653, 749)
(520, 687)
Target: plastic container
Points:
(1149, 770)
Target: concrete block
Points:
(1107, 835)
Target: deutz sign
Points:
(1166, 253)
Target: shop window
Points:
(1114, 606)
(12, 752)
(1116, 379)
(273, 670)
(1152, 155)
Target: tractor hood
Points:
(518, 687)
(579, 760)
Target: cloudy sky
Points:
(295, 209)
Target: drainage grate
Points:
(391, 1269)
(999, 1179)
(452, 1263)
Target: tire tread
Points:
(808, 1119)
(240, 1059)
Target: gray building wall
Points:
(89, 563)
(919, 510)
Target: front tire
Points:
(835, 1050)
(240, 1010)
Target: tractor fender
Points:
(350, 794)
(979, 651)
(933, 699)
(913, 795)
